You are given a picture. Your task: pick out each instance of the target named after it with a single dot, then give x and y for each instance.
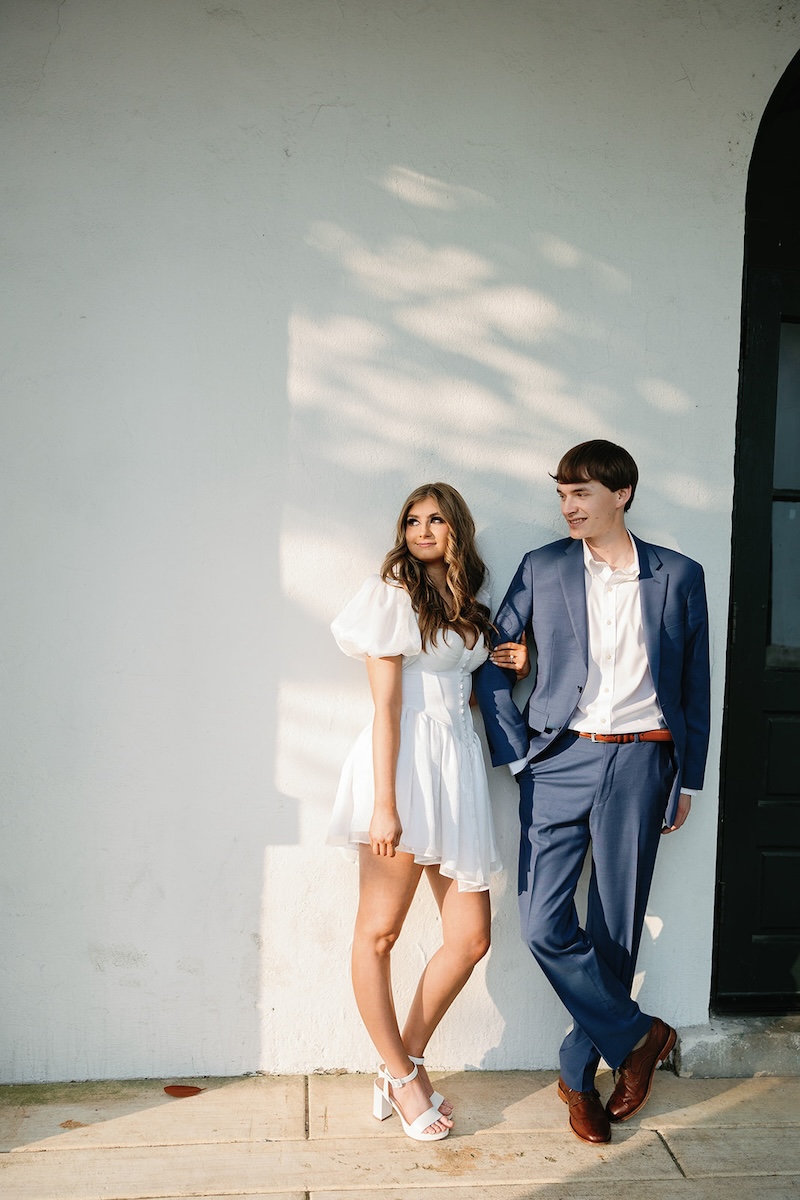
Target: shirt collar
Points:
(622, 574)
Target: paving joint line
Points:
(669, 1151)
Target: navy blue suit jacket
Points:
(547, 598)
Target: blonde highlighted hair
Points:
(466, 571)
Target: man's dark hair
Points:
(604, 461)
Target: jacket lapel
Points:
(573, 585)
(653, 576)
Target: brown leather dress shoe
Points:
(587, 1117)
(635, 1075)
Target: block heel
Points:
(383, 1103)
(381, 1107)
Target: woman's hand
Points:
(512, 656)
(384, 831)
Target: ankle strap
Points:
(398, 1083)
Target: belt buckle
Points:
(594, 737)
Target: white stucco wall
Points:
(268, 266)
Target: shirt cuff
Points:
(689, 791)
(517, 766)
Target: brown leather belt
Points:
(619, 739)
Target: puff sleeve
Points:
(378, 622)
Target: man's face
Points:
(592, 511)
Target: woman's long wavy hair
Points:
(466, 571)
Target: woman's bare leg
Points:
(466, 934)
(386, 889)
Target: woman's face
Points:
(427, 532)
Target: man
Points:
(609, 751)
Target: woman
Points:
(413, 796)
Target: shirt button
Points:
(602, 720)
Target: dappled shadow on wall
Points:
(450, 338)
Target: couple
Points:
(608, 752)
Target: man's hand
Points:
(684, 808)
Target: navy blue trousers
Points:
(614, 797)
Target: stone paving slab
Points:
(673, 1189)
(702, 1153)
(144, 1173)
(341, 1105)
(139, 1113)
(767, 1101)
(676, 1189)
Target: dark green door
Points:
(758, 942)
(757, 952)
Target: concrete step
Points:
(740, 1047)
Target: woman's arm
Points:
(385, 681)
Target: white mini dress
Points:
(442, 793)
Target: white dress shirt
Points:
(620, 695)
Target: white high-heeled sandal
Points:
(437, 1099)
(383, 1103)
